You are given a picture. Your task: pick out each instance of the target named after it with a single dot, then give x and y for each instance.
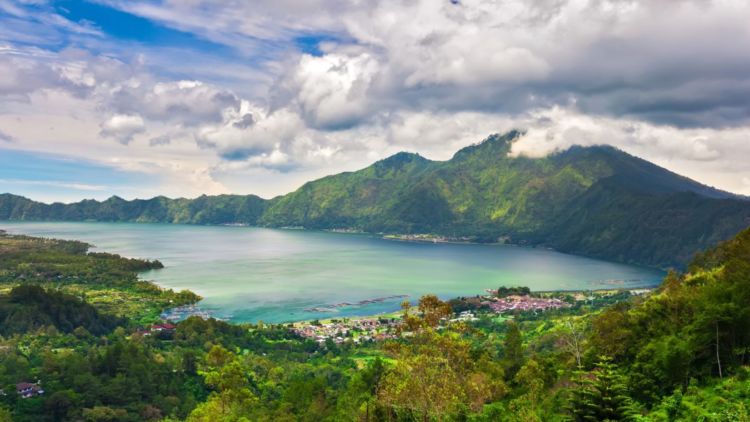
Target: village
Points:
(358, 330)
(522, 303)
(467, 309)
(385, 327)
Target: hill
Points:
(30, 307)
(220, 209)
(596, 201)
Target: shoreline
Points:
(206, 314)
(356, 313)
(398, 237)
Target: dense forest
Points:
(30, 307)
(596, 201)
(75, 325)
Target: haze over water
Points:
(252, 274)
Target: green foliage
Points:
(431, 312)
(503, 291)
(601, 396)
(436, 376)
(221, 209)
(231, 398)
(694, 326)
(30, 307)
(512, 350)
(5, 415)
(108, 282)
(726, 400)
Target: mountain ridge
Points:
(596, 201)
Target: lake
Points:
(252, 274)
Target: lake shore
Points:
(249, 274)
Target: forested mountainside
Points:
(679, 353)
(596, 201)
(221, 209)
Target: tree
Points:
(512, 350)
(431, 311)
(503, 291)
(190, 362)
(104, 414)
(601, 396)
(531, 379)
(612, 333)
(59, 403)
(571, 339)
(5, 415)
(232, 398)
(435, 376)
(361, 393)
(423, 384)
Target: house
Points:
(465, 316)
(163, 328)
(27, 390)
(140, 332)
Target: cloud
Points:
(159, 141)
(310, 89)
(708, 155)
(4, 137)
(245, 122)
(331, 92)
(630, 58)
(37, 22)
(28, 70)
(56, 184)
(123, 127)
(21, 76)
(189, 103)
(557, 129)
(268, 142)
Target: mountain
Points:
(596, 201)
(221, 209)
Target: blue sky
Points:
(143, 97)
(57, 178)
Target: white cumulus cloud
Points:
(123, 127)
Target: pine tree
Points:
(601, 396)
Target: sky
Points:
(141, 98)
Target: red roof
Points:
(163, 327)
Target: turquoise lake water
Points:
(251, 274)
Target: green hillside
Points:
(595, 201)
(221, 209)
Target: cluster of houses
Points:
(27, 390)
(417, 237)
(465, 316)
(523, 303)
(358, 330)
(363, 330)
(156, 329)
